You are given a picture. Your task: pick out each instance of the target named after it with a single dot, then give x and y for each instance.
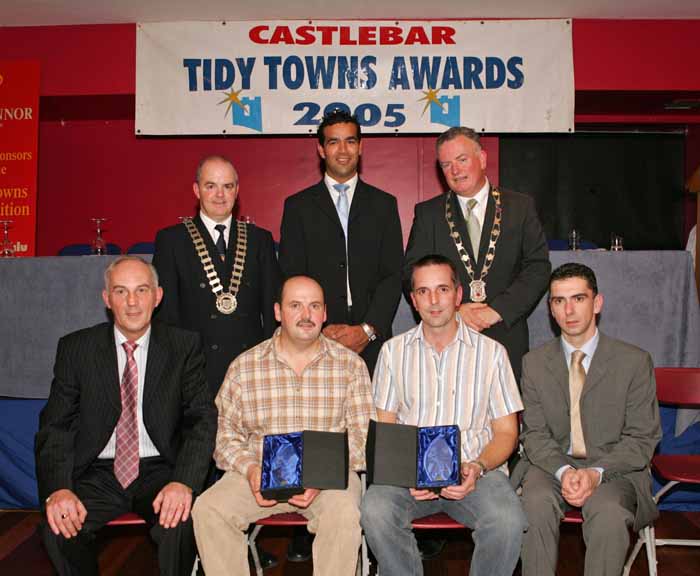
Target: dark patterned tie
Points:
(577, 378)
(126, 454)
(220, 242)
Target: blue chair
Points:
(141, 248)
(86, 250)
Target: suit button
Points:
(213, 316)
(214, 346)
(202, 285)
(341, 265)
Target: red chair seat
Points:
(678, 467)
(128, 519)
(573, 517)
(285, 519)
(440, 521)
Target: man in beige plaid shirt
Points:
(297, 380)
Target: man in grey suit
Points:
(593, 453)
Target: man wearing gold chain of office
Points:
(494, 237)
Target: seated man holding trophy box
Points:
(446, 402)
(293, 418)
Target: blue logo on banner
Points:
(249, 115)
(447, 112)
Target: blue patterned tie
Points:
(342, 206)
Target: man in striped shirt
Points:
(443, 372)
(297, 380)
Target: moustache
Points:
(307, 323)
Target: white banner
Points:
(407, 77)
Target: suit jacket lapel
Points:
(461, 225)
(322, 199)
(598, 366)
(489, 215)
(155, 365)
(359, 203)
(560, 372)
(106, 363)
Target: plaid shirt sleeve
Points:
(233, 451)
(360, 408)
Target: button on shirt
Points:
(470, 383)
(146, 446)
(350, 192)
(210, 224)
(482, 198)
(261, 394)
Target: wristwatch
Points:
(481, 465)
(371, 334)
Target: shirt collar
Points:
(464, 334)
(588, 348)
(352, 183)
(211, 224)
(270, 345)
(142, 342)
(481, 196)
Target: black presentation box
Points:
(299, 460)
(413, 457)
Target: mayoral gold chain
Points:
(226, 301)
(477, 286)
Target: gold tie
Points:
(473, 228)
(577, 377)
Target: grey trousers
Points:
(607, 514)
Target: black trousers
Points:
(105, 499)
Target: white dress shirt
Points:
(482, 198)
(146, 446)
(350, 192)
(213, 232)
(588, 349)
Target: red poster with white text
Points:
(19, 135)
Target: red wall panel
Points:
(77, 60)
(99, 169)
(623, 55)
(92, 164)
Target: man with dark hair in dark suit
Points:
(105, 448)
(346, 234)
(590, 426)
(495, 238)
(219, 275)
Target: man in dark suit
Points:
(346, 234)
(495, 238)
(590, 426)
(226, 290)
(105, 448)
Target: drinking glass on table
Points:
(99, 246)
(574, 239)
(7, 251)
(616, 243)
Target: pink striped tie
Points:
(126, 454)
